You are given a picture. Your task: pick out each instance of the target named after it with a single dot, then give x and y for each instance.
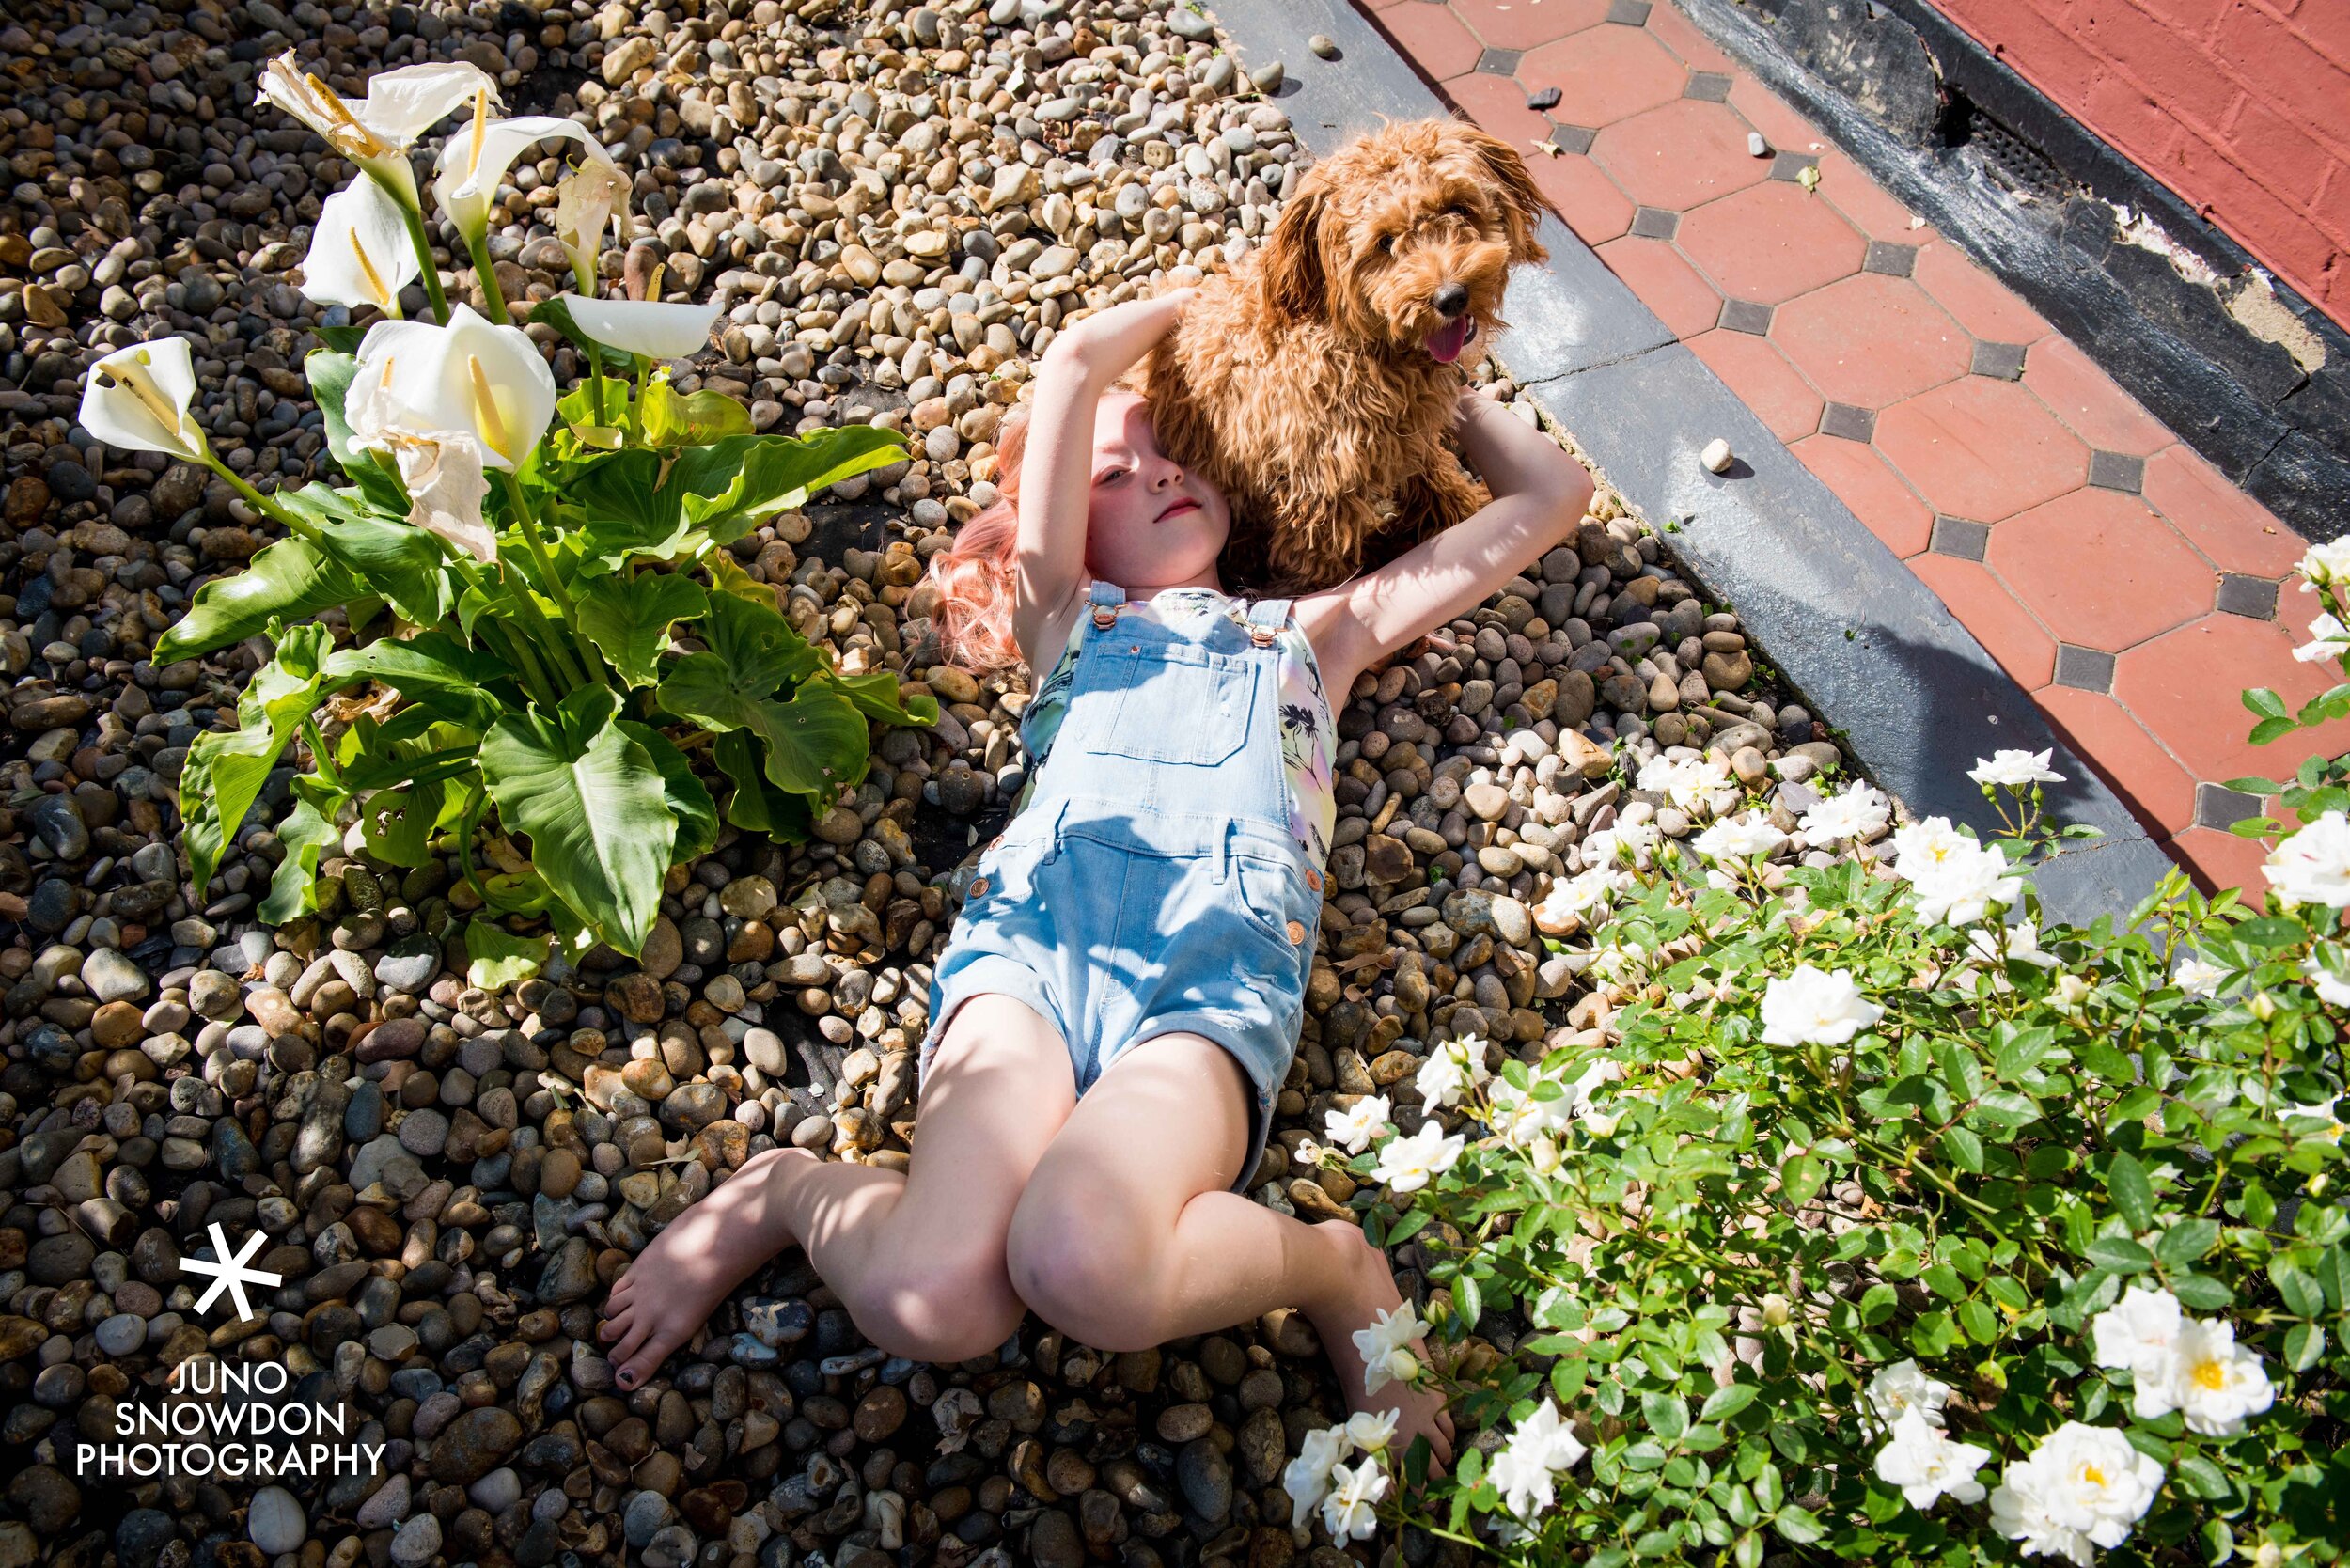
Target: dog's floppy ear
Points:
(1521, 202)
(1294, 280)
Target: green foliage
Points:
(558, 692)
(1725, 1249)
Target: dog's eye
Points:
(1387, 245)
(1461, 211)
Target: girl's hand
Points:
(1108, 342)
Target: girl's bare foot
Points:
(674, 1285)
(1370, 1290)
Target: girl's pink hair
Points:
(975, 575)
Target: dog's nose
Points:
(1451, 300)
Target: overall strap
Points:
(1266, 617)
(1107, 600)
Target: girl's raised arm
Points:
(1057, 484)
(1538, 495)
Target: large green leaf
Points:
(432, 670)
(629, 622)
(290, 581)
(391, 556)
(756, 805)
(689, 800)
(593, 804)
(729, 487)
(397, 824)
(876, 696)
(309, 831)
(816, 743)
(225, 771)
(617, 513)
(495, 957)
(670, 420)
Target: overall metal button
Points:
(1297, 933)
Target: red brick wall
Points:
(2241, 106)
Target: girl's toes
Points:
(615, 1325)
(643, 1364)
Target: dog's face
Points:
(1404, 240)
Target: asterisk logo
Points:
(230, 1274)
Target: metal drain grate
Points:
(2014, 162)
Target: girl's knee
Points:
(1086, 1274)
(942, 1307)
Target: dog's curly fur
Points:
(1302, 384)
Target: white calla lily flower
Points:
(443, 473)
(377, 131)
(591, 198)
(644, 327)
(137, 398)
(487, 382)
(474, 162)
(359, 251)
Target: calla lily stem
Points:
(429, 270)
(517, 645)
(478, 246)
(636, 405)
(275, 510)
(319, 753)
(586, 282)
(591, 663)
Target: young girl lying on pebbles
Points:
(1141, 934)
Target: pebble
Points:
(1717, 456)
(275, 1521)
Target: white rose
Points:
(1372, 1431)
(1360, 1124)
(2199, 977)
(1853, 812)
(2138, 1331)
(2326, 1111)
(2313, 865)
(1740, 838)
(1386, 1347)
(1306, 1478)
(1812, 1006)
(2324, 969)
(1928, 1467)
(1348, 1513)
(1904, 1388)
(2327, 638)
(2014, 769)
(1408, 1164)
(1571, 900)
(2208, 1378)
(1452, 1066)
(2083, 1487)
(1542, 1444)
(1919, 848)
(2326, 563)
(1964, 885)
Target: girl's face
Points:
(1150, 524)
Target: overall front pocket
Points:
(1171, 704)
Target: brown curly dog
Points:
(1315, 382)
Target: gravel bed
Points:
(899, 207)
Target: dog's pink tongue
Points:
(1446, 342)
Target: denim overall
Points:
(1153, 883)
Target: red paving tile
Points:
(2184, 685)
(1991, 613)
(2221, 859)
(1876, 493)
(1984, 305)
(1682, 37)
(1980, 449)
(1846, 186)
(2086, 398)
(1784, 128)
(1434, 36)
(1604, 75)
(2130, 760)
(1666, 283)
(1871, 340)
(1524, 23)
(2100, 570)
(1498, 104)
(2235, 530)
(1762, 379)
(1679, 156)
(1770, 243)
(1579, 193)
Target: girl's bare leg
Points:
(918, 1259)
(1127, 1236)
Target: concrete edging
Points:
(1869, 645)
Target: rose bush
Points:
(1866, 1218)
(550, 629)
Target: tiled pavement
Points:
(2111, 571)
